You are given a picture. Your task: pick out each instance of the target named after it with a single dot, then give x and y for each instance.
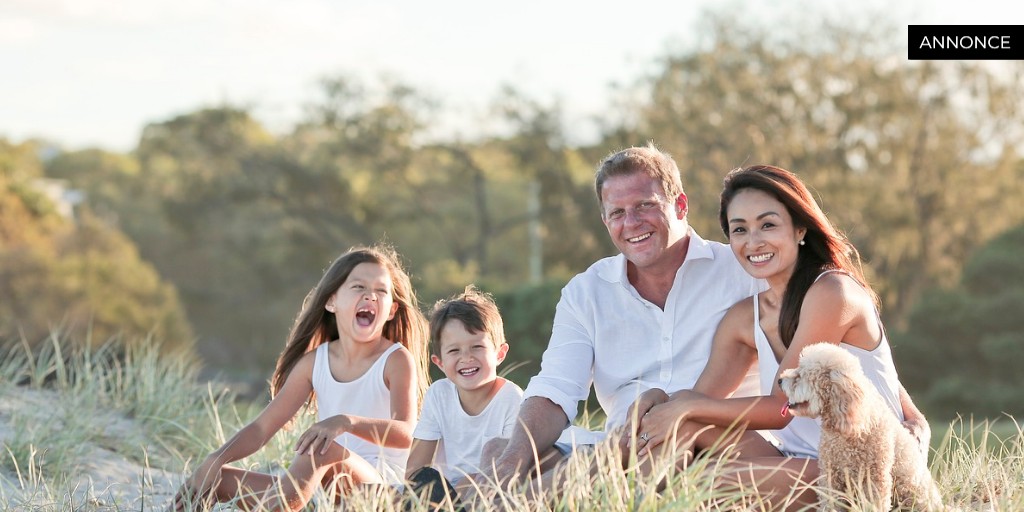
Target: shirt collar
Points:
(697, 249)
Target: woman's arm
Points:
(394, 432)
(827, 314)
(733, 353)
(914, 420)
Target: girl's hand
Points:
(318, 438)
(636, 412)
(661, 421)
(195, 489)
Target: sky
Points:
(86, 73)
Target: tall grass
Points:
(148, 408)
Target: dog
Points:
(865, 452)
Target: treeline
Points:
(214, 219)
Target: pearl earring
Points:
(801, 242)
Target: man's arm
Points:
(539, 425)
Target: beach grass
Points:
(115, 427)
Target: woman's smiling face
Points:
(762, 235)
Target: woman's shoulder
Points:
(739, 319)
(837, 286)
(839, 296)
(742, 309)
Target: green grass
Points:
(69, 406)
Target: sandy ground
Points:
(106, 480)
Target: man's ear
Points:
(437, 361)
(681, 206)
(502, 352)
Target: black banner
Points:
(965, 42)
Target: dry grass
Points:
(114, 428)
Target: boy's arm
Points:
(421, 454)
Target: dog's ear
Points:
(844, 403)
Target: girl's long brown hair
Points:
(315, 326)
(826, 248)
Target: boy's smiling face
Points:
(469, 360)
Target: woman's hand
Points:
(663, 420)
(318, 438)
(922, 432)
(636, 412)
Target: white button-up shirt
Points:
(606, 333)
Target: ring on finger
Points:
(645, 437)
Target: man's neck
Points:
(654, 283)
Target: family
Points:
(683, 340)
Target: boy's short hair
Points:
(475, 309)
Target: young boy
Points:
(472, 405)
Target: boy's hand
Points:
(318, 438)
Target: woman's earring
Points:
(801, 242)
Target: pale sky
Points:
(95, 72)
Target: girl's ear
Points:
(437, 361)
(502, 352)
(329, 306)
(394, 309)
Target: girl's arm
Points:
(421, 454)
(396, 432)
(253, 436)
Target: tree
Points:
(964, 346)
(76, 275)
(916, 162)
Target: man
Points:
(642, 319)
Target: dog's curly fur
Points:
(865, 452)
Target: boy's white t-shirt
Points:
(462, 436)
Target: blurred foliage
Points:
(918, 161)
(78, 274)
(964, 346)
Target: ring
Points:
(645, 436)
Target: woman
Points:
(817, 293)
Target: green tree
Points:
(915, 161)
(78, 274)
(963, 351)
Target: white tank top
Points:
(365, 396)
(802, 436)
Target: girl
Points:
(817, 293)
(356, 352)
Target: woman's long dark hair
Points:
(825, 247)
(315, 326)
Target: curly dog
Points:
(865, 452)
